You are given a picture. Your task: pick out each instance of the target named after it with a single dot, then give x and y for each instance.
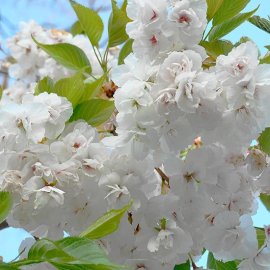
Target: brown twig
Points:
(163, 175)
(4, 225)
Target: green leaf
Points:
(117, 25)
(92, 88)
(124, 5)
(261, 23)
(265, 59)
(90, 21)
(95, 111)
(229, 9)
(184, 266)
(107, 224)
(63, 266)
(243, 39)
(217, 47)
(265, 198)
(76, 29)
(71, 253)
(264, 141)
(72, 88)
(260, 236)
(5, 204)
(66, 54)
(267, 47)
(5, 266)
(229, 25)
(44, 85)
(212, 263)
(212, 8)
(125, 51)
(1, 91)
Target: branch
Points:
(163, 175)
(3, 225)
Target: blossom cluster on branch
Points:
(181, 151)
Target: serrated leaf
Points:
(125, 51)
(212, 8)
(76, 29)
(217, 47)
(229, 9)
(264, 141)
(44, 85)
(265, 198)
(107, 224)
(117, 25)
(95, 111)
(90, 21)
(184, 266)
(229, 25)
(66, 54)
(212, 263)
(5, 204)
(261, 23)
(72, 88)
(260, 236)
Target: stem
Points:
(26, 262)
(15, 259)
(105, 62)
(208, 33)
(99, 60)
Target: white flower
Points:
(240, 64)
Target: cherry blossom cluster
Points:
(32, 64)
(182, 151)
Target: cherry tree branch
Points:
(3, 225)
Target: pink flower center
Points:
(240, 66)
(184, 19)
(153, 40)
(76, 145)
(154, 16)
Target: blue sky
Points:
(58, 13)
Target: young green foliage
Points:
(94, 111)
(229, 25)
(68, 55)
(261, 23)
(90, 22)
(264, 141)
(184, 266)
(107, 224)
(228, 10)
(217, 47)
(5, 205)
(125, 51)
(265, 199)
(214, 264)
(117, 25)
(212, 7)
(260, 237)
(69, 253)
